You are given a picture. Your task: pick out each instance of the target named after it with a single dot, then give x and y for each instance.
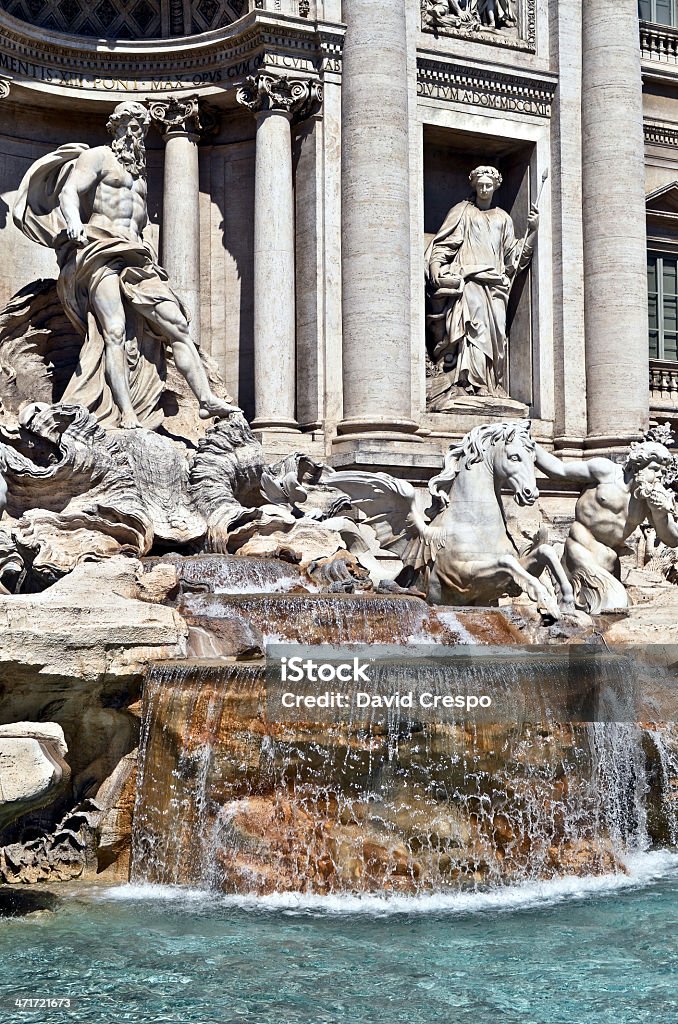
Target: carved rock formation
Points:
(33, 769)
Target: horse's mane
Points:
(475, 445)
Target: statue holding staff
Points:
(470, 268)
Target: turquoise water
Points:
(575, 951)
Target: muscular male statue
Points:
(90, 206)
(616, 499)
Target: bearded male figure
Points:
(90, 206)
(615, 500)
(470, 265)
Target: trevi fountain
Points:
(354, 698)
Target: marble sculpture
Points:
(86, 472)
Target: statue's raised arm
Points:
(614, 501)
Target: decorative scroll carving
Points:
(4, 88)
(296, 97)
(498, 22)
(177, 116)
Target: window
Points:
(662, 12)
(662, 287)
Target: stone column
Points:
(179, 122)
(568, 243)
(275, 102)
(613, 174)
(376, 288)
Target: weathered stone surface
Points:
(302, 543)
(33, 769)
(116, 798)
(58, 855)
(228, 637)
(76, 654)
(273, 806)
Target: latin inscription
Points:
(159, 83)
(474, 97)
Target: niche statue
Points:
(90, 206)
(471, 265)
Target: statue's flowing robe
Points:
(143, 284)
(468, 323)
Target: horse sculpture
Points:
(459, 550)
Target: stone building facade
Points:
(304, 154)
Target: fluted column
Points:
(376, 285)
(613, 172)
(179, 122)
(275, 101)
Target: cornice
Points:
(485, 86)
(222, 58)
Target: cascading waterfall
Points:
(233, 797)
(239, 574)
(230, 800)
(665, 782)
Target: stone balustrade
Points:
(663, 379)
(658, 42)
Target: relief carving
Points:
(504, 22)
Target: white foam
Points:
(449, 619)
(643, 869)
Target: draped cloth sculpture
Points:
(89, 205)
(470, 265)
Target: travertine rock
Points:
(33, 769)
(76, 654)
(303, 542)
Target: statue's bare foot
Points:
(128, 421)
(216, 407)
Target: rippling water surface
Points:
(575, 951)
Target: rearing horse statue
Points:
(459, 550)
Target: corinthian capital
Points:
(177, 116)
(295, 97)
